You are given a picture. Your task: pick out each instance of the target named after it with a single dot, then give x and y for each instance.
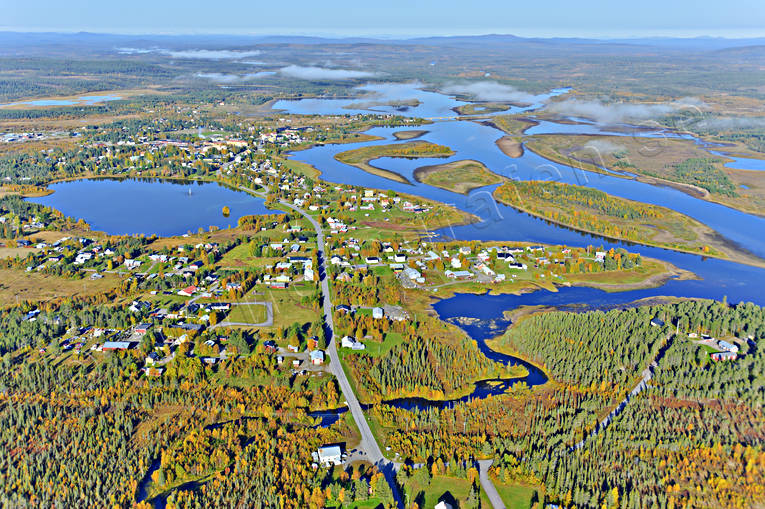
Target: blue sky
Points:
(543, 18)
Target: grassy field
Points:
(409, 135)
(373, 348)
(515, 496)
(399, 222)
(458, 176)
(248, 313)
(240, 258)
(17, 284)
(442, 487)
(13, 252)
(300, 168)
(361, 157)
(654, 161)
(593, 211)
(288, 307)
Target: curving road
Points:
(269, 316)
(368, 442)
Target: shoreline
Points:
(742, 256)
(365, 163)
(421, 174)
(689, 189)
(510, 146)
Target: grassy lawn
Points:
(515, 496)
(452, 489)
(248, 313)
(13, 252)
(374, 348)
(288, 307)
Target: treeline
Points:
(592, 349)
(588, 209)
(422, 367)
(703, 172)
(102, 425)
(693, 439)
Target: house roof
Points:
(329, 451)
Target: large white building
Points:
(329, 455)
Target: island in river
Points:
(457, 176)
(593, 211)
(362, 157)
(684, 164)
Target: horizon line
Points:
(379, 36)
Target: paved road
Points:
(487, 485)
(368, 442)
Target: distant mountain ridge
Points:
(207, 41)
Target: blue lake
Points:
(150, 206)
(87, 100)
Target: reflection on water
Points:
(151, 206)
(472, 140)
(87, 100)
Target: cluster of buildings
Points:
(288, 270)
(30, 136)
(284, 136)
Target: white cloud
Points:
(603, 147)
(323, 74)
(730, 123)
(220, 77)
(200, 54)
(613, 113)
(491, 91)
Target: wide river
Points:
(472, 140)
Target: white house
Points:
(82, 258)
(317, 357)
(412, 274)
(330, 455)
(377, 313)
(132, 264)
